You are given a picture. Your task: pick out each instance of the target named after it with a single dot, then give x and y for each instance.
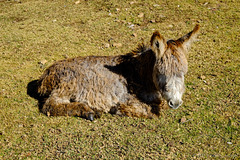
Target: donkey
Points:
(137, 84)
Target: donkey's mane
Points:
(142, 47)
(139, 49)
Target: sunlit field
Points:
(36, 33)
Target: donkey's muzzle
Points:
(175, 104)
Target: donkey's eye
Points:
(157, 44)
(165, 89)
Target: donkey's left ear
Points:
(158, 44)
(187, 39)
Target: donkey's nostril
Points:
(174, 105)
(170, 104)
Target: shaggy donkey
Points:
(134, 84)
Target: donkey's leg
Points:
(133, 109)
(54, 106)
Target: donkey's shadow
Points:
(32, 91)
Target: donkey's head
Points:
(171, 65)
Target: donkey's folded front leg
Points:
(133, 109)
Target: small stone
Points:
(205, 3)
(65, 56)
(42, 62)
(229, 142)
(156, 5)
(132, 2)
(141, 15)
(77, 2)
(117, 45)
(202, 77)
(170, 26)
(134, 35)
(153, 21)
(131, 26)
(183, 120)
(106, 45)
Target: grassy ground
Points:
(35, 33)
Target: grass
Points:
(205, 127)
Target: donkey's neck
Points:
(138, 71)
(144, 67)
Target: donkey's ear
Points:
(158, 44)
(187, 39)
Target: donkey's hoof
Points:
(90, 116)
(98, 114)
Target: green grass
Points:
(33, 31)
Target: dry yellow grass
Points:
(34, 34)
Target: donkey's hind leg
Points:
(52, 107)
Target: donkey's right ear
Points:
(158, 44)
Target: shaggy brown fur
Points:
(134, 84)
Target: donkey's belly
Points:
(101, 89)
